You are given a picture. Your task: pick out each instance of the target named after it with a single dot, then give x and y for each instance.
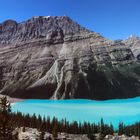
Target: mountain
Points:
(55, 58)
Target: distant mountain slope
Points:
(56, 58)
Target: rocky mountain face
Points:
(56, 58)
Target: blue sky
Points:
(114, 19)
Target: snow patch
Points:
(41, 16)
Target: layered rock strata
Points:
(56, 58)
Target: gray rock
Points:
(56, 58)
(29, 134)
(122, 137)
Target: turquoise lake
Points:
(114, 111)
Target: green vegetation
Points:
(9, 121)
(6, 126)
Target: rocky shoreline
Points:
(34, 134)
(12, 100)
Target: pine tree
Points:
(138, 130)
(54, 133)
(102, 126)
(101, 130)
(5, 123)
(121, 129)
(111, 129)
(55, 128)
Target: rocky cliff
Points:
(56, 58)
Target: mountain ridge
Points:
(56, 58)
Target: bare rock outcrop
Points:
(56, 58)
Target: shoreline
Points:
(12, 100)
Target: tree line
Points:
(11, 120)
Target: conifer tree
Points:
(5, 123)
(102, 126)
(121, 128)
(55, 133)
(102, 130)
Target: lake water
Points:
(114, 111)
